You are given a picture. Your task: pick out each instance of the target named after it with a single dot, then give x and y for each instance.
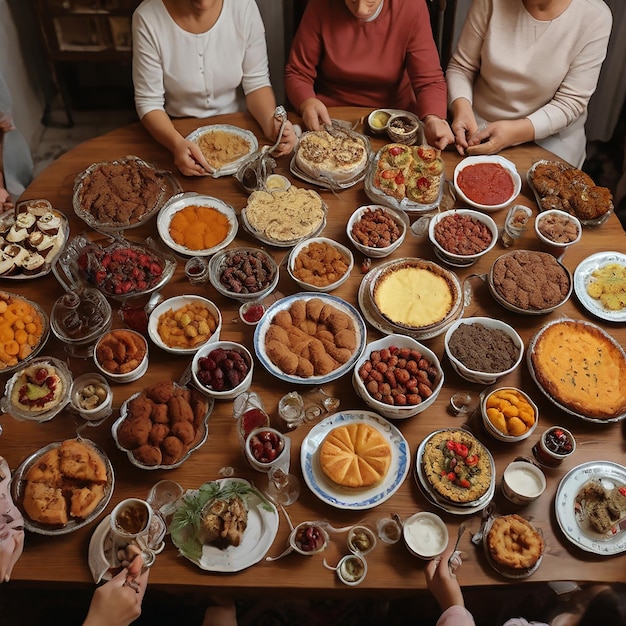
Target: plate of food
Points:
(471, 487)
(111, 196)
(580, 368)
(600, 285)
(119, 267)
(284, 218)
(195, 224)
(334, 157)
(513, 546)
(559, 186)
(20, 314)
(63, 486)
(201, 534)
(590, 507)
(32, 238)
(161, 426)
(310, 338)
(224, 146)
(407, 178)
(354, 460)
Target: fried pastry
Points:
(514, 543)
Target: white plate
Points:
(506, 571)
(582, 277)
(531, 368)
(564, 506)
(257, 539)
(468, 508)
(529, 179)
(232, 167)
(354, 499)
(18, 483)
(284, 304)
(178, 203)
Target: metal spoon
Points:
(453, 561)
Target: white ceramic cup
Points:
(523, 482)
(131, 518)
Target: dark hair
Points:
(607, 607)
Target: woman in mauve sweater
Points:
(370, 53)
(524, 70)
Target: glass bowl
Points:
(243, 273)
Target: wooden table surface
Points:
(64, 558)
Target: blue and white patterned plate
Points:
(347, 498)
(285, 304)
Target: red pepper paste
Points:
(486, 183)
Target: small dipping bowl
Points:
(276, 182)
(554, 446)
(352, 569)
(403, 128)
(361, 540)
(425, 535)
(557, 231)
(523, 482)
(251, 313)
(91, 396)
(309, 538)
(266, 448)
(378, 120)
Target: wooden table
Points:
(391, 567)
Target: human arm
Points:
(262, 103)
(11, 526)
(444, 586)
(118, 602)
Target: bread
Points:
(66, 482)
(355, 455)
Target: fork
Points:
(456, 553)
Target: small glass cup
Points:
(283, 488)
(197, 270)
(555, 444)
(389, 530)
(291, 410)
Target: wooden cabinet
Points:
(88, 45)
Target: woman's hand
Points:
(6, 202)
(118, 602)
(496, 136)
(464, 124)
(288, 141)
(314, 114)
(437, 132)
(442, 583)
(189, 159)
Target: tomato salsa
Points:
(486, 183)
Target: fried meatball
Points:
(172, 449)
(133, 432)
(184, 431)
(148, 455)
(179, 409)
(140, 407)
(161, 392)
(159, 414)
(158, 432)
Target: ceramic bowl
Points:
(176, 303)
(494, 159)
(460, 221)
(262, 282)
(127, 377)
(266, 448)
(494, 430)
(378, 121)
(91, 396)
(225, 394)
(404, 128)
(396, 411)
(425, 535)
(560, 219)
(250, 313)
(361, 540)
(309, 286)
(309, 538)
(475, 376)
(375, 251)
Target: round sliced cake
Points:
(334, 153)
(457, 466)
(582, 368)
(414, 294)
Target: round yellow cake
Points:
(413, 296)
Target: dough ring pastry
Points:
(513, 542)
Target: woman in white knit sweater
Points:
(524, 70)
